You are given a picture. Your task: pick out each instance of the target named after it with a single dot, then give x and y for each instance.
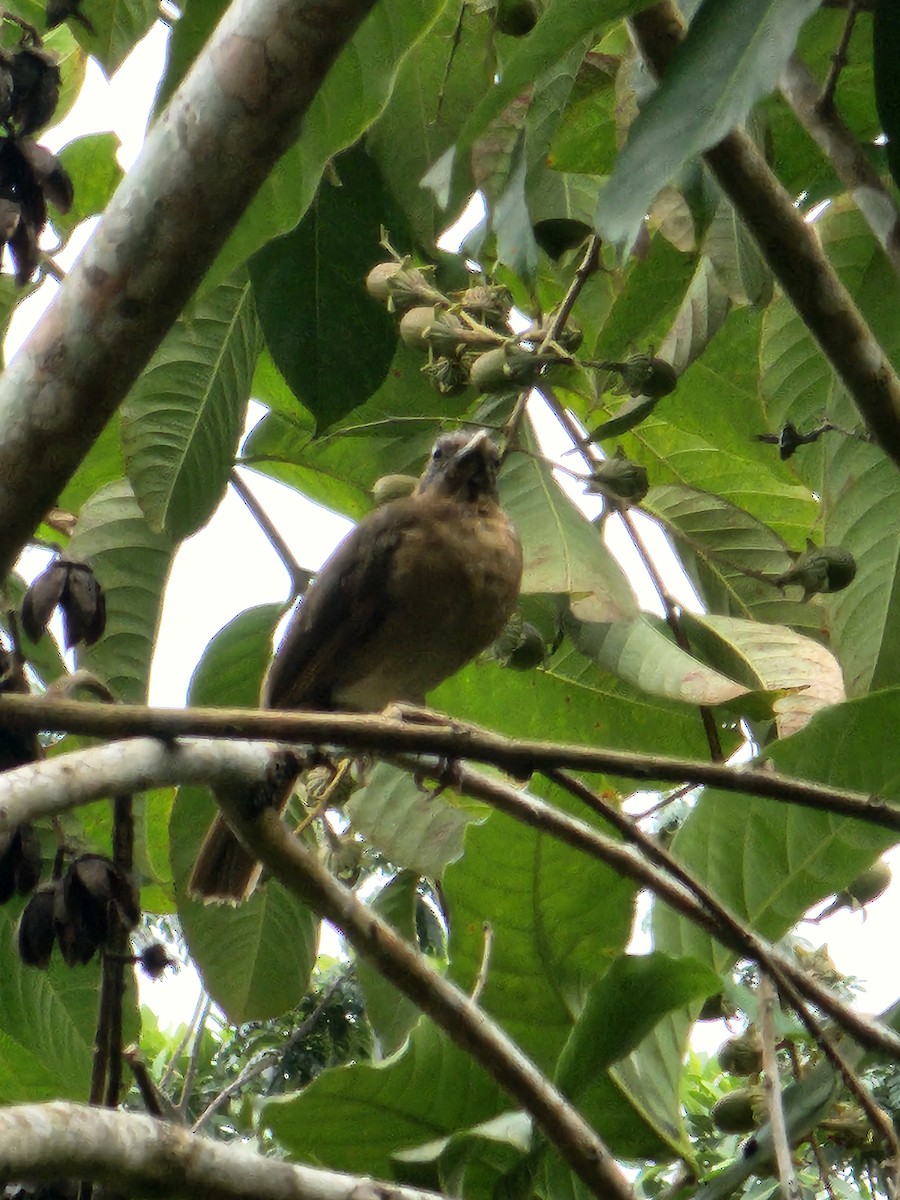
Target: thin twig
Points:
(588, 266)
(271, 1058)
(838, 61)
(787, 1177)
(194, 1061)
(156, 1104)
(300, 577)
(172, 1064)
(484, 967)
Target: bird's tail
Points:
(224, 870)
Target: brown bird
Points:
(416, 590)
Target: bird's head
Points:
(463, 466)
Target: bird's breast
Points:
(452, 585)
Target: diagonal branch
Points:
(133, 1152)
(852, 164)
(792, 250)
(236, 113)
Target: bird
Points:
(418, 588)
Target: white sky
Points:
(229, 565)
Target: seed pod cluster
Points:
(78, 912)
(69, 584)
(466, 335)
(30, 176)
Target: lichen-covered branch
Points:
(236, 113)
(138, 1154)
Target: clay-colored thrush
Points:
(418, 588)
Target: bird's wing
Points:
(343, 608)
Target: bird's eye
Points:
(437, 454)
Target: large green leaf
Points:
(118, 25)
(558, 920)
(413, 828)
(131, 561)
(718, 544)
(239, 951)
(353, 95)
(564, 552)
(182, 419)
(640, 652)
(309, 291)
(772, 658)
(563, 25)
(427, 1092)
(430, 100)
(391, 1015)
(47, 1022)
(886, 45)
(730, 58)
(702, 435)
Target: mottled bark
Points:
(235, 114)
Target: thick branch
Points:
(792, 249)
(236, 113)
(136, 1153)
(370, 732)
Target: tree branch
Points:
(131, 1151)
(852, 164)
(238, 110)
(85, 775)
(22, 789)
(792, 249)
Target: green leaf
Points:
(239, 951)
(729, 59)
(182, 419)
(118, 25)
(391, 1015)
(718, 544)
(103, 464)
(309, 290)
(886, 47)
(427, 1092)
(558, 920)
(585, 141)
(564, 553)
(95, 173)
(768, 862)
(411, 827)
(430, 100)
(352, 96)
(47, 1022)
(640, 652)
(620, 1011)
(563, 25)
(772, 658)
(131, 562)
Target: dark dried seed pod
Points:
(36, 84)
(84, 606)
(154, 960)
(49, 174)
(20, 862)
(37, 928)
(41, 598)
